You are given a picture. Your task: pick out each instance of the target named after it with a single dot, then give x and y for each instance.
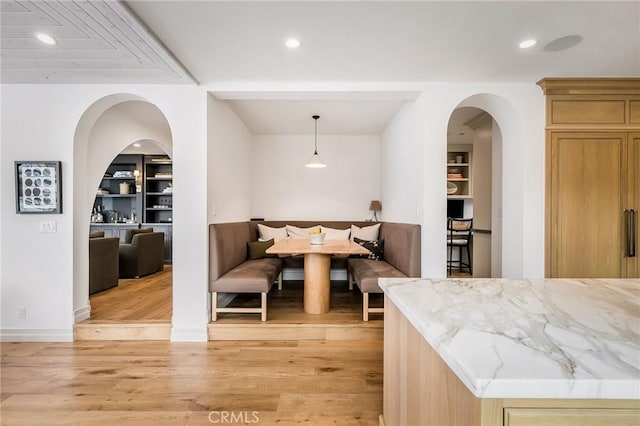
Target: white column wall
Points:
(39, 123)
(518, 109)
(230, 167)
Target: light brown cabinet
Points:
(592, 178)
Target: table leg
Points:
(317, 284)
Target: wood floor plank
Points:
(131, 383)
(146, 298)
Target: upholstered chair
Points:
(142, 253)
(103, 262)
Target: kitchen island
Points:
(511, 352)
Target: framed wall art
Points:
(38, 186)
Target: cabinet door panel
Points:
(570, 417)
(633, 199)
(586, 198)
(588, 111)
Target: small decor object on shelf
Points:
(124, 188)
(38, 186)
(452, 188)
(122, 174)
(316, 237)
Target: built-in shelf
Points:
(158, 176)
(459, 172)
(146, 190)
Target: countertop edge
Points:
(495, 388)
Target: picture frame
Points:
(38, 187)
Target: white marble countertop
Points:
(561, 338)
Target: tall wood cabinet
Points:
(592, 177)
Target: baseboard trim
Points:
(35, 335)
(82, 313)
(189, 334)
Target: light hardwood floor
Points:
(146, 298)
(162, 383)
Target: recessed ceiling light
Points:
(45, 38)
(292, 43)
(136, 145)
(527, 43)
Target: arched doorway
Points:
(107, 128)
(474, 182)
(507, 193)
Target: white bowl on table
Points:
(316, 239)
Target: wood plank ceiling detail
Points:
(97, 41)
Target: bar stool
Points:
(459, 233)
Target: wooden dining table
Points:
(317, 267)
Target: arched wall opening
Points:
(474, 191)
(107, 127)
(507, 198)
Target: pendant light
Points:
(315, 162)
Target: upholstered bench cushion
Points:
(251, 276)
(365, 273)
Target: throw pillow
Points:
(268, 233)
(257, 249)
(128, 237)
(297, 233)
(376, 247)
(369, 233)
(335, 234)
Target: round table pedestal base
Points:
(317, 284)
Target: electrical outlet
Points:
(22, 312)
(48, 226)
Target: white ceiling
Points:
(394, 40)
(237, 47)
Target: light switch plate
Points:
(48, 226)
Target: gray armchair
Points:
(143, 254)
(103, 262)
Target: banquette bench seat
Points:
(230, 270)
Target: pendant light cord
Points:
(315, 117)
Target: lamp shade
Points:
(315, 162)
(375, 206)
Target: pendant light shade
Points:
(315, 162)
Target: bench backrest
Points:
(228, 243)
(227, 247)
(402, 247)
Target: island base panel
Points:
(419, 388)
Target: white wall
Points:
(401, 171)
(482, 172)
(40, 122)
(519, 110)
(496, 200)
(283, 188)
(229, 164)
(39, 270)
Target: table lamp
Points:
(375, 206)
